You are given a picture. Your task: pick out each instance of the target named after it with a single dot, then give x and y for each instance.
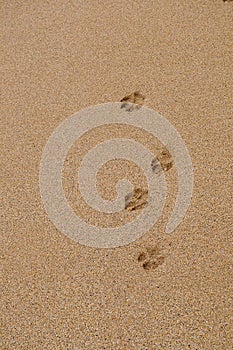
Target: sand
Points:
(163, 291)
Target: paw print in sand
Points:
(133, 101)
(151, 258)
(165, 160)
(136, 199)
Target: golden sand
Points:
(57, 58)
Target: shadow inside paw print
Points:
(132, 102)
(151, 258)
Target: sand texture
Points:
(162, 291)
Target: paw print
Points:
(151, 258)
(165, 160)
(136, 199)
(133, 101)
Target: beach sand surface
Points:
(162, 291)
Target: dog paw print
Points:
(151, 258)
(132, 102)
(164, 158)
(136, 199)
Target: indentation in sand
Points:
(165, 160)
(151, 258)
(133, 101)
(136, 199)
